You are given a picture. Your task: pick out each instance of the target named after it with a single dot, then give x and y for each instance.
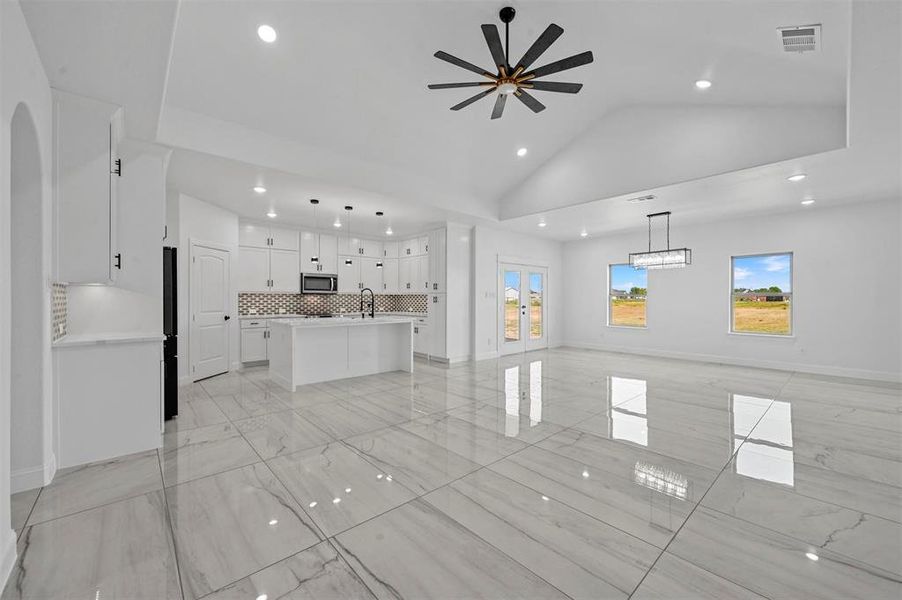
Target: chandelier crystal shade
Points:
(669, 258)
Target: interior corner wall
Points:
(490, 245)
(847, 262)
(22, 81)
(200, 221)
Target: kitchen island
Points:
(303, 351)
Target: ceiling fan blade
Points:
(529, 101)
(473, 99)
(445, 86)
(555, 86)
(551, 33)
(577, 60)
(494, 41)
(499, 106)
(462, 63)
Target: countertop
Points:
(336, 315)
(340, 322)
(87, 339)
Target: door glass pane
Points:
(511, 306)
(535, 306)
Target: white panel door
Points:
(523, 313)
(253, 269)
(284, 273)
(253, 235)
(253, 344)
(283, 239)
(390, 276)
(349, 277)
(370, 274)
(209, 289)
(328, 254)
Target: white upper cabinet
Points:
(349, 277)
(410, 247)
(283, 239)
(253, 269)
(349, 246)
(371, 248)
(255, 236)
(284, 273)
(390, 276)
(309, 250)
(422, 275)
(437, 262)
(404, 268)
(328, 253)
(390, 249)
(423, 245)
(86, 136)
(370, 274)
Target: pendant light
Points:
(315, 258)
(348, 261)
(669, 258)
(379, 264)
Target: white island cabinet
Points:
(303, 351)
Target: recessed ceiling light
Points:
(337, 223)
(807, 201)
(702, 84)
(389, 231)
(812, 556)
(259, 189)
(262, 597)
(273, 521)
(583, 233)
(796, 177)
(267, 33)
(272, 214)
(522, 152)
(542, 224)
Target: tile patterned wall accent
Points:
(59, 310)
(270, 303)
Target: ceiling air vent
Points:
(641, 199)
(804, 38)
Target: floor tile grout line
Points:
(26, 523)
(169, 519)
(694, 508)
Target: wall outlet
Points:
(59, 327)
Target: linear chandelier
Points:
(661, 259)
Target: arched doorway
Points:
(29, 337)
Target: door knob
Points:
(226, 317)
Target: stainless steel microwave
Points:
(319, 283)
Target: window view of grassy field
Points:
(762, 294)
(628, 312)
(761, 317)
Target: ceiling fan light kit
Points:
(670, 258)
(514, 81)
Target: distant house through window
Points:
(627, 292)
(761, 294)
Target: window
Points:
(762, 294)
(627, 289)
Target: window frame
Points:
(610, 304)
(730, 319)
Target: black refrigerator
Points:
(170, 330)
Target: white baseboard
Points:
(185, 380)
(7, 555)
(487, 355)
(745, 362)
(30, 478)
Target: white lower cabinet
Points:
(438, 320)
(254, 340)
(421, 337)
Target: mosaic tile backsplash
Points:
(59, 311)
(264, 303)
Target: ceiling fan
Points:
(515, 80)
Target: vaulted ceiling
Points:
(339, 102)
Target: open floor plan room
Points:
(450, 300)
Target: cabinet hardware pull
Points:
(118, 168)
(119, 261)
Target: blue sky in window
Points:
(624, 277)
(512, 279)
(755, 272)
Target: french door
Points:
(522, 322)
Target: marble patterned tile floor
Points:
(561, 473)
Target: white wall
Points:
(203, 222)
(488, 245)
(22, 80)
(846, 290)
